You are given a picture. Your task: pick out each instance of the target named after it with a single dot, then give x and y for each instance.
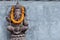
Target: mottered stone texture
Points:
(43, 19)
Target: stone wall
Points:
(43, 19)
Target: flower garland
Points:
(20, 20)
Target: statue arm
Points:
(8, 17)
(25, 23)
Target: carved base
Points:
(18, 37)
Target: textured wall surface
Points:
(43, 19)
(31, 0)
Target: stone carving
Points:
(17, 23)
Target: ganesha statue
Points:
(17, 23)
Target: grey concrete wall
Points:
(43, 19)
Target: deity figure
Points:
(17, 28)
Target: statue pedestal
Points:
(18, 37)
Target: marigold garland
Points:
(20, 20)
